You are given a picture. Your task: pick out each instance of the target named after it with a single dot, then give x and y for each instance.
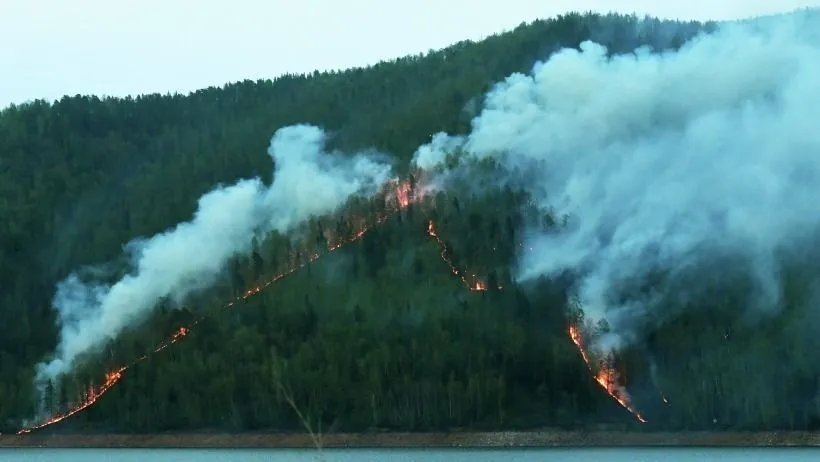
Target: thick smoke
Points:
(307, 182)
(669, 166)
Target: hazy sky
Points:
(49, 48)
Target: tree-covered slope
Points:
(379, 334)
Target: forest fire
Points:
(403, 194)
(175, 337)
(607, 376)
(403, 197)
(476, 285)
(94, 393)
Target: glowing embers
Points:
(475, 284)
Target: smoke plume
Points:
(307, 182)
(672, 167)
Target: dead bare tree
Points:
(287, 394)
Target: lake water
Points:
(399, 455)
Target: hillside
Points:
(379, 334)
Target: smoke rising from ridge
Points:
(307, 182)
(671, 167)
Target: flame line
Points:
(607, 375)
(403, 196)
(478, 285)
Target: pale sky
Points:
(49, 48)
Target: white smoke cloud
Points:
(307, 182)
(664, 161)
(436, 151)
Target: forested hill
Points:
(378, 335)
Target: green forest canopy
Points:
(378, 335)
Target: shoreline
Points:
(538, 439)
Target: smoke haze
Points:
(307, 182)
(667, 165)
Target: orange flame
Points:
(94, 393)
(607, 376)
(404, 194)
